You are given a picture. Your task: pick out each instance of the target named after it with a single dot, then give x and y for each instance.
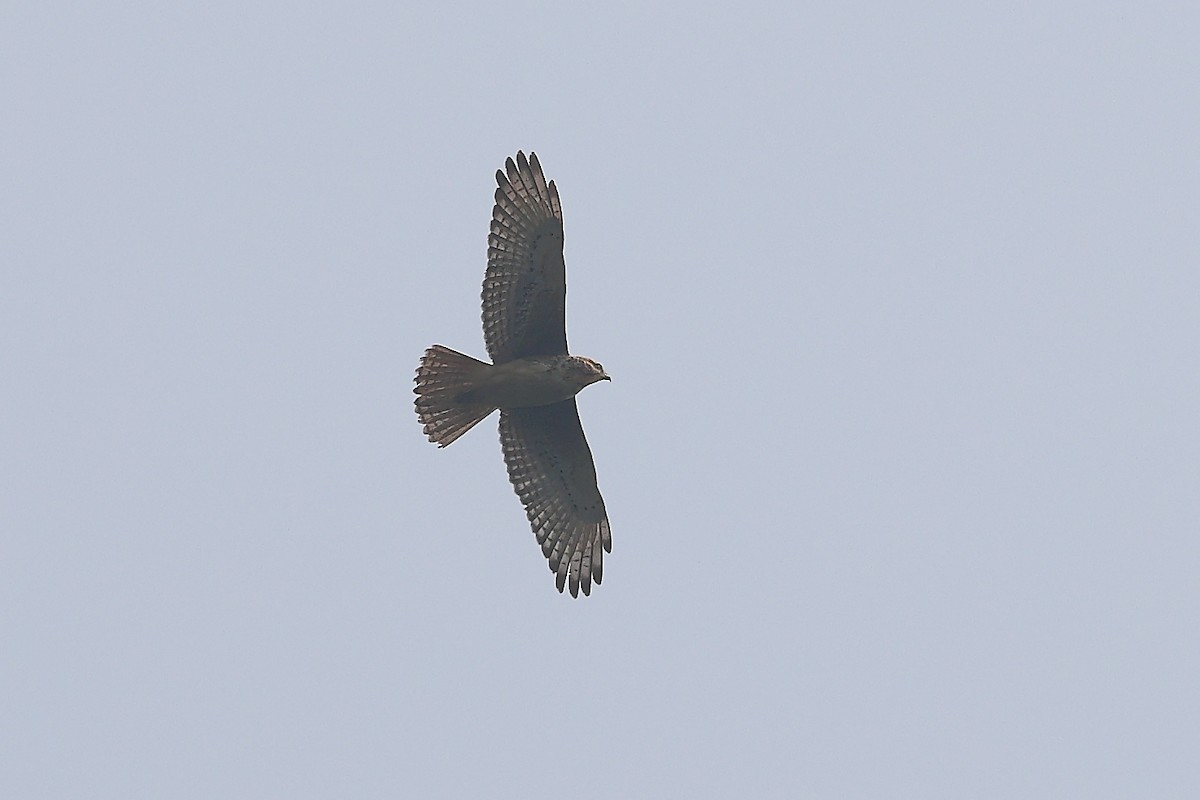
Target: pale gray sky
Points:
(901, 453)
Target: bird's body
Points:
(532, 379)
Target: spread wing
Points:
(551, 468)
(525, 288)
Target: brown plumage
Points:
(532, 379)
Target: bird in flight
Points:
(532, 379)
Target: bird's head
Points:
(587, 371)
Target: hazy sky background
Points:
(902, 449)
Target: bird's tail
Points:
(442, 378)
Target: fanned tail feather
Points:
(443, 376)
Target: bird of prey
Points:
(532, 379)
